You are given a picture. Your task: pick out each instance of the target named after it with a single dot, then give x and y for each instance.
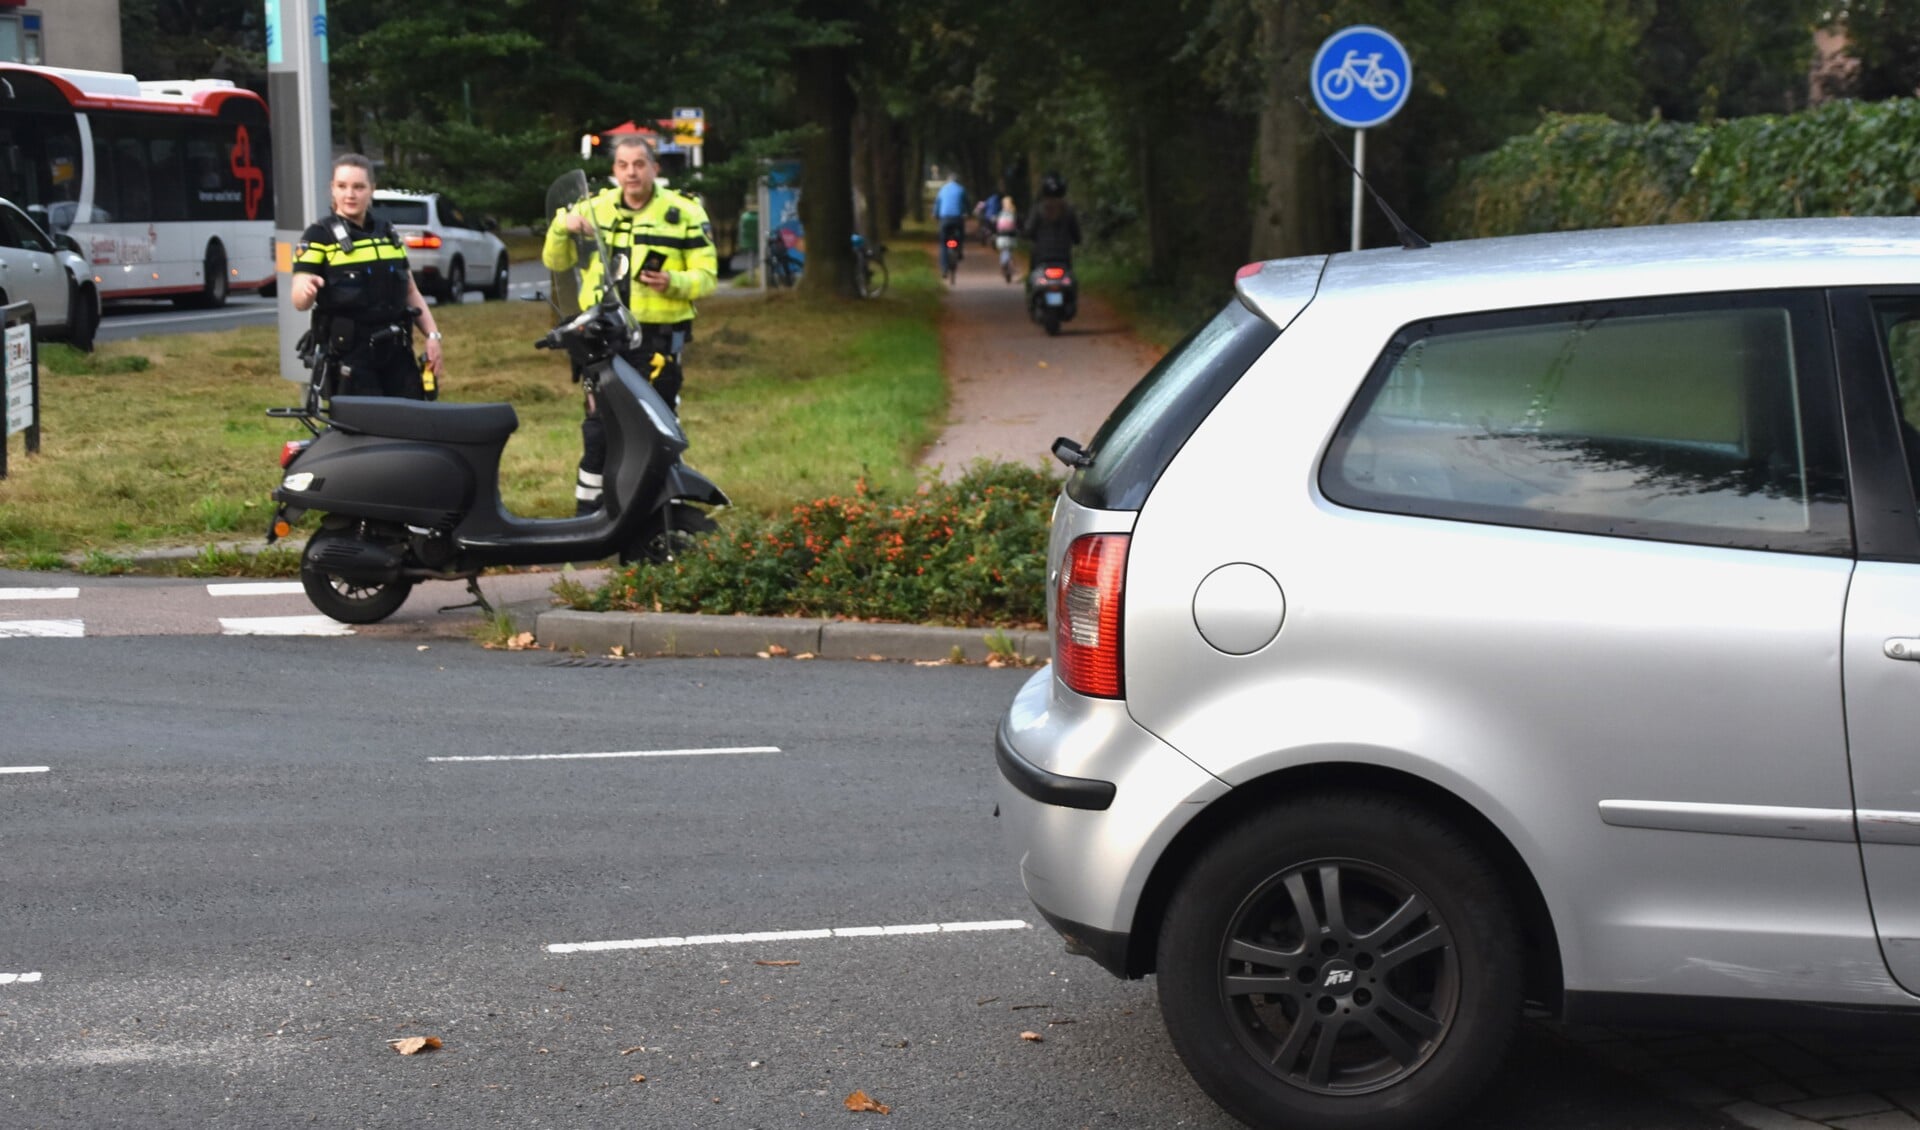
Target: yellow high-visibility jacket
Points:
(672, 223)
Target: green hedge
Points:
(1842, 158)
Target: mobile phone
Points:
(654, 261)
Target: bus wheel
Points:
(213, 286)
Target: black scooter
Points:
(1052, 296)
(410, 490)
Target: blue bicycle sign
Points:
(1361, 76)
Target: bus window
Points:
(169, 179)
(130, 169)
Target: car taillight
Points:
(424, 239)
(1086, 645)
(1056, 272)
(291, 449)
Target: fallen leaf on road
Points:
(631, 1050)
(638, 1079)
(1031, 1037)
(413, 1045)
(776, 963)
(776, 649)
(859, 1101)
(804, 655)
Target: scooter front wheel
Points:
(350, 602)
(667, 534)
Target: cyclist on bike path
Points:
(950, 210)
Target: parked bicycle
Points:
(782, 268)
(869, 267)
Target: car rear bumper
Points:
(1088, 801)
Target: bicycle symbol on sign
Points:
(1366, 74)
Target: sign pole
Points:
(1359, 168)
(297, 98)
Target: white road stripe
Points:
(255, 588)
(629, 753)
(19, 978)
(25, 768)
(70, 593)
(42, 629)
(283, 626)
(788, 936)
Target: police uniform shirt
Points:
(671, 223)
(365, 269)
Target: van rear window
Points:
(1152, 423)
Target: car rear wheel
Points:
(501, 285)
(1341, 960)
(454, 291)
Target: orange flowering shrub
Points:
(973, 552)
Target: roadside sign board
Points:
(1361, 76)
(689, 125)
(20, 408)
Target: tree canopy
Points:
(1181, 126)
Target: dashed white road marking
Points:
(629, 753)
(42, 629)
(789, 936)
(283, 626)
(255, 588)
(71, 592)
(18, 978)
(25, 768)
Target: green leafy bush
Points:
(1841, 158)
(972, 552)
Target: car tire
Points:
(454, 291)
(502, 285)
(83, 315)
(1341, 960)
(348, 601)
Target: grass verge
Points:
(164, 442)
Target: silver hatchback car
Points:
(1530, 619)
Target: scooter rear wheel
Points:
(349, 602)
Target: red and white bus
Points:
(164, 185)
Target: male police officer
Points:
(352, 271)
(637, 217)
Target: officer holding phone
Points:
(662, 258)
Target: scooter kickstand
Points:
(479, 599)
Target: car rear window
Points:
(1151, 424)
(1704, 419)
(401, 211)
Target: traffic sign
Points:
(1361, 76)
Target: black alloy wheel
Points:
(1342, 960)
(501, 282)
(455, 290)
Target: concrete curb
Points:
(688, 634)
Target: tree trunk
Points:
(1287, 191)
(824, 96)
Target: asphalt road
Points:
(242, 873)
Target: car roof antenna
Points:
(1409, 239)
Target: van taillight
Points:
(1086, 644)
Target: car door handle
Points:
(1903, 647)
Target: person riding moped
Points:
(662, 259)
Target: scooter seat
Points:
(431, 421)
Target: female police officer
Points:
(351, 270)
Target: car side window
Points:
(19, 232)
(1898, 320)
(1704, 419)
(450, 214)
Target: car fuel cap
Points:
(1238, 608)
